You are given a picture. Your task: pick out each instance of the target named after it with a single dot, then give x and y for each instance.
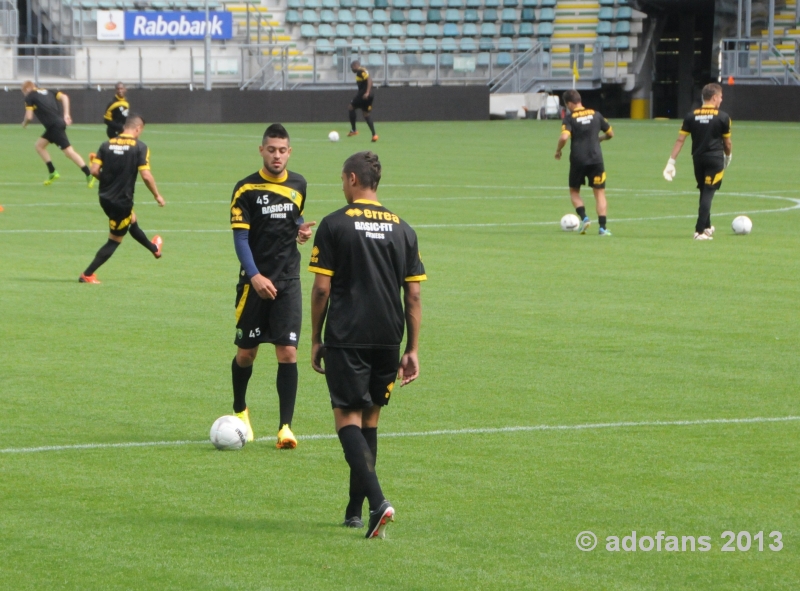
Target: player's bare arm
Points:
(727, 147)
(369, 87)
(409, 363)
(607, 135)
(65, 105)
(320, 294)
(304, 232)
(27, 118)
(669, 170)
(150, 183)
(562, 141)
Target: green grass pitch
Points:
(523, 325)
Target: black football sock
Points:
(50, 168)
(241, 375)
(362, 463)
(602, 220)
(138, 234)
(102, 256)
(581, 211)
(357, 495)
(85, 170)
(352, 120)
(704, 211)
(287, 391)
(368, 119)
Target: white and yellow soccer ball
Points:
(742, 225)
(570, 223)
(333, 136)
(228, 433)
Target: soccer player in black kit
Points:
(117, 164)
(710, 129)
(267, 222)
(362, 100)
(117, 112)
(585, 158)
(363, 257)
(44, 104)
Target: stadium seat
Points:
(411, 59)
(530, 4)
(548, 3)
(330, 4)
(524, 44)
(467, 45)
(606, 2)
(449, 44)
(347, 4)
(434, 15)
(622, 28)
(446, 60)
(483, 59)
(365, 3)
(504, 59)
(340, 42)
(292, 17)
(545, 29)
(378, 30)
(345, 16)
(604, 41)
(398, 16)
(400, 4)
(393, 60)
(380, 16)
(547, 14)
(436, 4)
(381, 3)
(343, 30)
(474, 4)
(528, 15)
(360, 30)
(376, 45)
(471, 15)
(486, 44)
(308, 31)
(604, 28)
(526, 30)
(624, 13)
(394, 45)
(429, 44)
(414, 30)
(363, 16)
(606, 14)
(428, 59)
(432, 30)
(505, 44)
(510, 3)
(415, 15)
(324, 46)
(396, 30)
(417, 3)
(311, 3)
(412, 45)
(452, 15)
(508, 30)
(358, 44)
(294, 3)
(489, 15)
(328, 16)
(621, 43)
(492, 3)
(488, 30)
(509, 15)
(470, 30)
(455, 3)
(450, 30)
(375, 60)
(326, 30)
(310, 16)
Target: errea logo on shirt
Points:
(315, 255)
(354, 212)
(236, 214)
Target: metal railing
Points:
(756, 60)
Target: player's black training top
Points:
(707, 126)
(116, 113)
(121, 158)
(361, 79)
(369, 253)
(270, 208)
(584, 126)
(44, 104)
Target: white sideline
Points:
(438, 432)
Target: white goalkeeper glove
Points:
(728, 159)
(669, 171)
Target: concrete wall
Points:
(434, 103)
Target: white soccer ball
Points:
(333, 136)
(742, 225)
(570, 223)
(228, 433)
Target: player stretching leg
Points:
(585, 157)
(266, 218)
(363, 257)
(712, 149)
(362, 100)
(117, 163)
(45, 105)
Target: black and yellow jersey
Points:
(270, 208)
(361, 79)
(116, 113)
(120, 159)
(584, 127)
(369, 253)
(707, 126)
(44, 104)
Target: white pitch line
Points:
(433, 433)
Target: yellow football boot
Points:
(286, 439)
(245, 416)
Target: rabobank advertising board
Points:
(116, 25)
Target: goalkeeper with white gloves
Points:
(710, 129)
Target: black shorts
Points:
(119, 216)
(275, 321)
(359, 102)
(579, 173)
(708, 170)
(360, 378)
(57, 135)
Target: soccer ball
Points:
(742, 225)
(333, 136)
(570, 223)
(228, 433)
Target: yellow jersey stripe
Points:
(240, 226)
(416, 278)
(97, 161)
(272, 187)
(682, 132)
(242, 301)
(321, 271)
(113, 106)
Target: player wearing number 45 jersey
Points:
(712, 148)
(585, 158)
(364, 255)
(267, 222)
